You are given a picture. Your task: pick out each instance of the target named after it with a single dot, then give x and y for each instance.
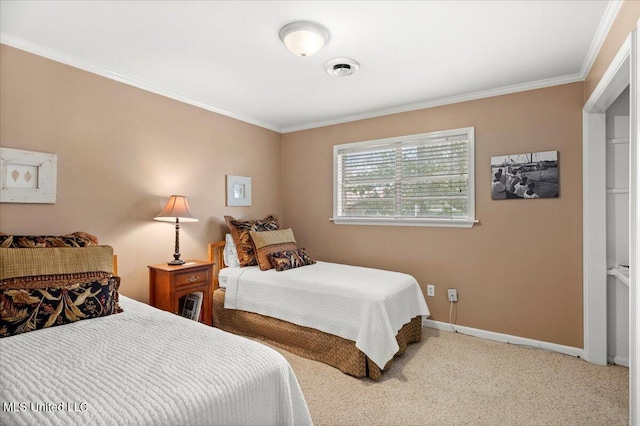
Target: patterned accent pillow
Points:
(77, 239)
(290, 259)
(239, 230)
(24, 310)
(267, 242)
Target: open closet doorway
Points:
(610, 217)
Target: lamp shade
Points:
(177, 208)
(304, 38)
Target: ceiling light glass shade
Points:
(304, 38)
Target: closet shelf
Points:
(618, 140)
(617, 190)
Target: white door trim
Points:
(622, 71)
(634, 217)
(613, 82)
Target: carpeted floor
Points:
(453, 379)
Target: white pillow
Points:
(230, 253)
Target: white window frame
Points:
(464, 222)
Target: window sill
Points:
(442, 223)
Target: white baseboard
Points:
(618, 360)
(504, 338)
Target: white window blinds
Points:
(417, 179)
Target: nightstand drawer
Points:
(192, 277)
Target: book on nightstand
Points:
(192, 305)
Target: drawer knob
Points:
(192, 278)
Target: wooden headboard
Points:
(216, 255)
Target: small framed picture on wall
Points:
(530, 175)
(238, 191)
(27, 176)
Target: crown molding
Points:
(606, 22)
(613, 82)
(63, 58)
(609, 16)
(539, 84)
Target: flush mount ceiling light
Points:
(304, 38)
(342, 67)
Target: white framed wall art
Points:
(27, 176)
(238, 191)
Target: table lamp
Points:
(177, 209)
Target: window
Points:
(417, 180)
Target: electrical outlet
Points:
(431, 290)
(453, 294)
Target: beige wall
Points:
(625, 22)
(519, 271)
(121, 153)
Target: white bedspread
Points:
(365, 305)
(145, 367)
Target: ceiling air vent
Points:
(342, 67)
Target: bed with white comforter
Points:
(144, 367)
(365, 305)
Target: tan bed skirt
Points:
(308, 342)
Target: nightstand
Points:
(169, 283)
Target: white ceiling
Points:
(225, 56)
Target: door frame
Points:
(622, 72)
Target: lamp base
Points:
(176, 262)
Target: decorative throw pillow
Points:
(240, 232)
(268, 242)
(77, 239)
(26, 262)
(289, 259)
(24, 310)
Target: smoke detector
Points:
(342, 67)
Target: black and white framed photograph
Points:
(525, 176)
